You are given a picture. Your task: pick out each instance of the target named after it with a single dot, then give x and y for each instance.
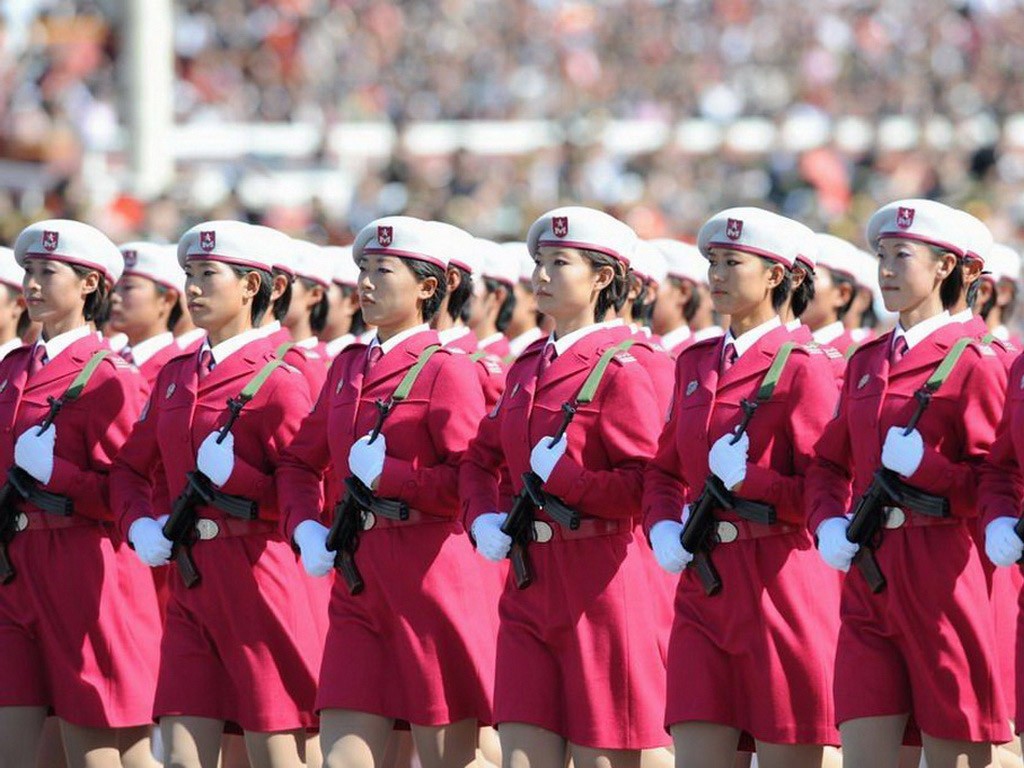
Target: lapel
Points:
(802, 334)
(754, 362)
(975, 328)
(61, 371)
(927, 353)
(387, 373)
(581, 356)
(243, 364)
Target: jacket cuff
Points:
(246, 481)
(397, 480)
(565, 481)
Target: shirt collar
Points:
(188, 338)
(711, 332)
(674, 338)
(455, 333)
(62, 341)
(749, 338)
(309, 343)
(1001, 332)
(398, 338)
(792, 325)
(144, 350)
(494, 337)
(921, 331)
(270, 329)
(563, 344)
(963, 316)
(10, 346)
(523, 340)
(334, 346)
(830, 332)
(228, 347)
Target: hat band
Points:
(154, 278)
(921, 239)
(69, 260)
(461, 265)
(689, 278)
(578, 245)
(314, 278)
(416, 255)
(231, 260)
(753, 251)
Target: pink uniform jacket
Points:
(418, 644)
(930, 631)
(152, 367)
(773, 627)
(309, 362)
(499, 348)
(578, 654)
(79, 625)
(244, 645)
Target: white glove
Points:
(490, 541)
(543, 459)
(311, 538)
(217, 460)
(902, 453)
(1002, 544)
(34, 453)
(668, 550)
(366, 459)
(833, 546)
(729, 462)
(147, 536)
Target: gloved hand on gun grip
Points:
(729, 462)
(1002, 544)
(491, 542)
(34, 452)
(668, 549)
(217, 460)
(311, 539)
(366, 459)
(902, 453)
(833, 546)
(147, 537)
(544, 458)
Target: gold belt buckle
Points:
(207, 529)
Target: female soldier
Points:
(415, 644)
(241, 644)
(78, 618)
(579, 670)
(920, 649)
(14, 319)
(344, 318)
(772, 628)
(146, 305)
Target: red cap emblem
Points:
(131, 257)
(50, 239)
(904, 217)
(385, 236)
(560, 226)
(208, 240)
(734, 228)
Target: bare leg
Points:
(489, 748)
(276, 750)
(587, 757)
(448, 746)
(191, 742)
(50, 753)
(400, 752)
(353, 739)
(21, 731)
(314, 758)
(136, 747)
(789, 755)
(873, 742)
(704, 745)
(527, 746)
(910, 757)
(942, 753)
(90, 747)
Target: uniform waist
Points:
(37, 521)
(208, 528)
(728, 531)
(897, 517)
(545, 531)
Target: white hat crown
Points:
(72, 242)
(583, 229)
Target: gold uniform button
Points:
(207, 529)
(542, 532)
(727, 532)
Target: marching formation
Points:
(628, 502)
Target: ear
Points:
(799, 274)
(776, 274)
(948, 262)
(453, 278)
(251, 284)
(278, 286)
(972, 270)
(428, 288)
(985, 289)
(603, 277)
(91, 282)
(844, 292)
(168, 299)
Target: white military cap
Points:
(280, 249)
(759, 233)
(71, 242)
(649, 263)
(312, 263)
(585, 229)
(345, 270)
(11, 272)
(838, 255)
(499, 264)
(463, 250)
(230, 242)
(976, 238)
(683, 260)
(1003, 263)
(924, 221)
(518, 251)
(155, 262)
(405, 237)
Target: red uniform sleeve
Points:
(480, 470)
(829, 476)
(1000, 484)
(665, 492)
(132, 478)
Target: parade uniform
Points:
(11, 275)
(79, 624)
(244, 644)
(417, 644)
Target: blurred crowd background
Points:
(661, 112)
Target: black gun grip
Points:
(707, 573)
(868, 567)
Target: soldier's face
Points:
(741, 283)
(216, 294)
(54, 291)
(910, 273)
(390, 294)
(566, 283)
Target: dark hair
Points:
(953, 286)
(781, 291)
(284, 301)
(459, 300)
(358, 324)
(422, 270)
(13, 294)
(261, 301)
(318, 314)
(803, 294)
(176, 311)
(613, 296)
(692, 304)
(508, 306)
(97, 303)
(989, 305)
(640, 311)
(839, 280)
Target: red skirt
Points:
(79, 628)
(758, 656)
